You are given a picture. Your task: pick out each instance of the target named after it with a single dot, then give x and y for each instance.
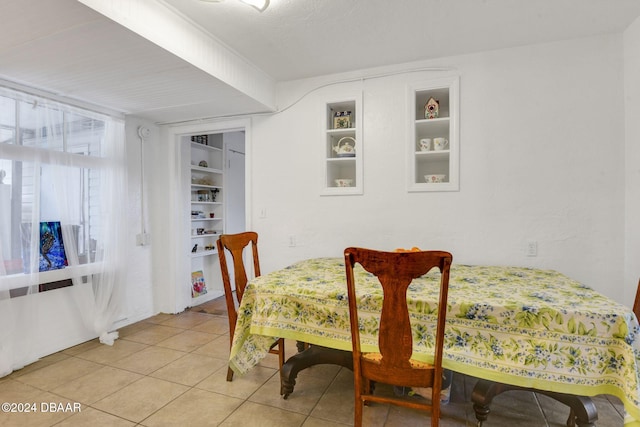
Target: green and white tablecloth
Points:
(520, 326)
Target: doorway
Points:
(174, 267)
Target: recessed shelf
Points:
(341, 131)
(205, 186)
(203, 169)
(343, 146)
(433, 153)
(341, 159)
(203, 253)
(435, 164)
(198, 146)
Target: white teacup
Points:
(434, 178)
(425, 144)
(440, 144)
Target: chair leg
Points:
(229, 374)
(357, 422)
(435, 408)
(358, 385)
(435, 416)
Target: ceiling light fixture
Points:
(259, 5)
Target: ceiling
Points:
(66, 48)
(294, 39)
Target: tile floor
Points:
(170, 370)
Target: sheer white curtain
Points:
(61, 220)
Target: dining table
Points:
(524, 328)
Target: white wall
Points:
(542, 155)
(632, 157)
(139, 293)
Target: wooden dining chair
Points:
(235, 244)
(393, 364)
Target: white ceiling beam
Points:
(157, 22)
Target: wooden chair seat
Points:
(415, 364)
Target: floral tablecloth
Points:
(520, 326)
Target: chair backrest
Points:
(636, 303)
(235, 244)
(396, 271)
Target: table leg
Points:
(583, 412)
(314, 355)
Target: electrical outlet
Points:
(292, 241)
(532, 248)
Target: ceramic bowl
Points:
(341, 182)
(434, 178)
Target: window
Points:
(62, 207)
(53, 164)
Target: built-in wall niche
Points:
(342, 146)
(433, 142)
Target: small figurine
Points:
(195, 248)
(342, 120)
(431, 108)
